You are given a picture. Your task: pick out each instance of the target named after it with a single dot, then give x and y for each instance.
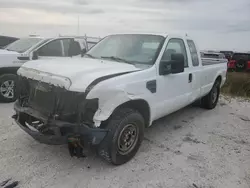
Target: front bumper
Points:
(60, 131)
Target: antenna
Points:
(78, 24)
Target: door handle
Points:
(190, 78)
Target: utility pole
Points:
(78, 24)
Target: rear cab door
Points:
(195, 70)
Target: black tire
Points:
(3, 79)
(241, 65)
(196, 103)
(120, 119)
(211, 99)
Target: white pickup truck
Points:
(121, 86)
(31, 48)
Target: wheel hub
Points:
(127, 139)
(7, 89)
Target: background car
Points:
(13, 56)
(239, 62)
(5, 40)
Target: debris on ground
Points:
(4, 182)
(12, 185)
(8, 184)
(244, 118)
(194, 140)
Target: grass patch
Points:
(237, 84)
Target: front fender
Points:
(107, 106)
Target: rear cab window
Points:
(193, 52)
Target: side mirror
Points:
(174, 66)
(83, 51)
(35, 55)
(23, 58)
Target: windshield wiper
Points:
(117, 59)
(88, 55)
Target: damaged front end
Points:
(54, 115)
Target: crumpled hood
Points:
(75, 74)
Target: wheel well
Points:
(8, 70)
(219, 78)
(140, 105)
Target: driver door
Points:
(173, 90)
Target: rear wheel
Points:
(8, 88)
(211, 99)
(126, 132)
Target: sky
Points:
(214, 24)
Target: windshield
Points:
(22, 45)
(131, 48)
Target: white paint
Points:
(173, 90)
(80, 71)
(9, 58)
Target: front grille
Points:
(42, 96)
(49, 99)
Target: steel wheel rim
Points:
(127, 139)
(7, 89)
(214, 94)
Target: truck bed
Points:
(212, 61)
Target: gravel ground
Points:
(193, 148)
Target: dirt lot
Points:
(192, 148)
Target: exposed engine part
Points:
(55, 102)
(75, 147)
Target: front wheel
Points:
(126, 132)
(211, 99)
(8, 88)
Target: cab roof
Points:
(177, 34)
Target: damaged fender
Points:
(109, 101)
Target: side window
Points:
(175, 46)
(53, 48)
(66, 44)
(193, 51)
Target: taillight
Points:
(231, 64)
(248, 65)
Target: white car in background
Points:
(32, 48)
